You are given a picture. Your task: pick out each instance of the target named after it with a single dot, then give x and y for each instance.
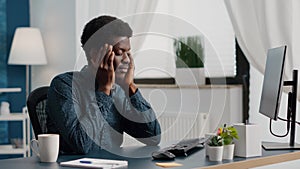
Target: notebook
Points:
(95, 163)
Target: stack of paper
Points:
(95, 163)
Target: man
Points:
(92, 108)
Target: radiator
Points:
(177, 126)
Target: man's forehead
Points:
(121, 41)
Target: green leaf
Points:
(216, 141)
(189, 51)
(228, 140)
(228, 134)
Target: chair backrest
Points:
(36, 105)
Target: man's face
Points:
(121, 62)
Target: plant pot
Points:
(209, 135)
(190, 76)
(228, 151)
(215, 153)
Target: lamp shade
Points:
(27, 48)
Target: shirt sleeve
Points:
(139, 120)
(66, 114)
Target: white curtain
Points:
(128, 10)
(263, 24)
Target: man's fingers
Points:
(102, 55)
(111, 61)
(131, 64)
(104, 61)
(107, 56)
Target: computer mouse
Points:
(163, 155)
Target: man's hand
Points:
(105, 76)
(128, 80)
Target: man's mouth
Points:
(122, 69)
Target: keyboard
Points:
(182, 148)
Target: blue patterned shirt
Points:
(87, 119)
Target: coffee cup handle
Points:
(32, 148)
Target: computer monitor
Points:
(272, 84)
(271, 95)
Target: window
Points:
(156, 58)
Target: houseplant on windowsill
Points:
(228, 134)
(215, 148)
(190, 60)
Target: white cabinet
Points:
(22, 117)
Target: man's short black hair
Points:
(101, 30)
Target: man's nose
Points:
(125, 58)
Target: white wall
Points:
(56, 20)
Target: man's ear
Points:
(94, 57)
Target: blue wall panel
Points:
(3, 67)
(17, 15)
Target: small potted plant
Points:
(228, 134)
(215, 148)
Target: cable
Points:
(287, 120)
(288, 130)
(289, 112)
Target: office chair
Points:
(36, 105)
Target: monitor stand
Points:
(291, 118)
(280, 146)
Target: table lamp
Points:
(27, 49)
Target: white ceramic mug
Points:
(48, 147)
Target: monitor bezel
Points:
(274, 115)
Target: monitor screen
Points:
(272, 84)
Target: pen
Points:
(86, 162)
(90, 162)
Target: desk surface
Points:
(137, 157)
